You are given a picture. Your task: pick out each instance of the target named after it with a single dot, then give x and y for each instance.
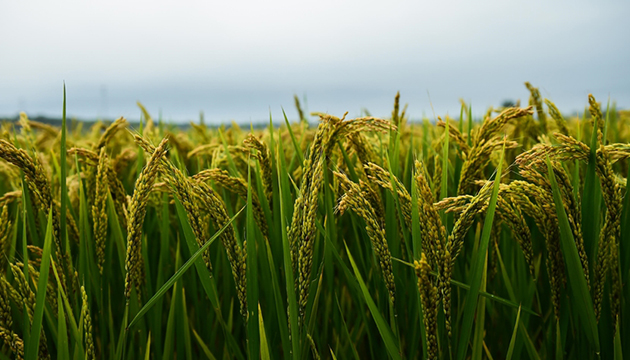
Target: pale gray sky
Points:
(238, 59)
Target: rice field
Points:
(501, 237)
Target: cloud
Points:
(182, 55)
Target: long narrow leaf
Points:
(298, 152)
(264, 346)
(510, 351)
(63, 351)
(33, 344)
(481, 317)
(384, 329)
(445, 148)
(477, 267)
(62, 176)
(618, 347)
(253, 334)
(180, 272)
(581, 297)
(591, 201)
(74, 330)
(203, 346)
(206, 279)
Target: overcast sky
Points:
(239, 59)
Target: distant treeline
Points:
(133, 124)
(86, 123)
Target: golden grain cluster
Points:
(379, 219)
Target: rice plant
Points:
(498, 237)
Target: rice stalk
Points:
(27, 297)
(456, 135)
(384, 179)
(188, 190)
(536, 100)
(429, 298)
(262, 154)
(110, 132)
(87, 325)
(484, 142)
(352, 199)
(137, 210)
(239, 186)
(14, 341)
(561, 123)
(237, 254)
(99, 209)
(5, 240)
(40, 189)
(302, 230)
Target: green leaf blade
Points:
(179, 273)
(477, 269)
(384, 329)
(581, 297)
(253, 330)
(33, 344)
